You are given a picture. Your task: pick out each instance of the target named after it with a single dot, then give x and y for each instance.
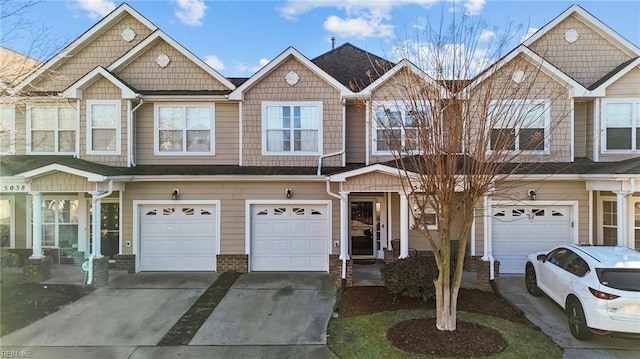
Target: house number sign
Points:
(14, 187)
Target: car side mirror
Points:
(542, 257)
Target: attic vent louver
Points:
(571, 36)
(292, 78)
(163, 60)
(128, 34)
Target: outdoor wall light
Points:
(288, 192)
(532, 194)
(175, 194)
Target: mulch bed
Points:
(23, 303)
(422, 336)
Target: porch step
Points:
(365, 260)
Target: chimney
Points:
(333, 42)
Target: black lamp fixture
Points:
(532, 194)
(175, 194)
(288, 192)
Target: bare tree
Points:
(458, 118)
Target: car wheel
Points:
(577, 321)
(531, 282)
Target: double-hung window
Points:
(520, 125)
(292, 128)
(103, 127)
(396, 129)
(621, 122)
(51, 129)
(184, 129)
(7, 127)
(60, 223)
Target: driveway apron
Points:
(133, 310)
(272, 309)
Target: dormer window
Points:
(519, 125)
(621, 124)
(103, 127)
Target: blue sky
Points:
(237, 37)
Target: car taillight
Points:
(602, 295)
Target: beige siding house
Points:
(129, 149)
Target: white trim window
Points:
(51, 129)
(291, 128)
(394, 128)
(103, 127)
(520, 125)
(609, 221)
(423, 214)
(621, 124)
(184, 130)
(7, 129)
(60, 223)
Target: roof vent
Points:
(333, 42)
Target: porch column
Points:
(621, 209)
(97, 215)
(344, 225)
(487, 240)
(36, 200)
(404, 226)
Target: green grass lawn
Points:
(365, 336)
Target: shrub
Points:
(411, 277)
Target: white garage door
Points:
(289, 238)
(520, 230)
(178, 237)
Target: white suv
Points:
(597, 286)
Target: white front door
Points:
(286, 237)
(178, 237)
(520, 230)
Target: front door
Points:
(363, 228)
(110, 229)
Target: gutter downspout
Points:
(344, 255)
(95, 200)
(131, 132)
(341, 152)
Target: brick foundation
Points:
(36, 270)
(126, 262)
(484, 274)
(335, 267)
(100, 272)
(232, 263)
(388, 256)
(23, 254)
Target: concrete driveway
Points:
(133, 310)
(272, 309)
(551, 319)
(265, 315)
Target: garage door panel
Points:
(289, 238)
(178, 237)
(518, 231)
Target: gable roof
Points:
(14, 67)
(75, 90)
(591, 21)
(397, 68)
(92, 33)
(576, 88)
(151, 40)
(616, 74)
(238, 93)
(353, 67)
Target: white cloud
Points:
(250, 69)
(96, 8)
(530, 32)
(487, 35)
(191, 12)
(357, 27)
(443, 61)
(473, 7)
(362, 18)
(214, 62)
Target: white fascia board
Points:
(96, 29)
(238, 93)
(226, 178)
(151, 40)
(591, 21)
(91, 177)
(393, 71)
(185, 98)
(342, 177)
(75, 90)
